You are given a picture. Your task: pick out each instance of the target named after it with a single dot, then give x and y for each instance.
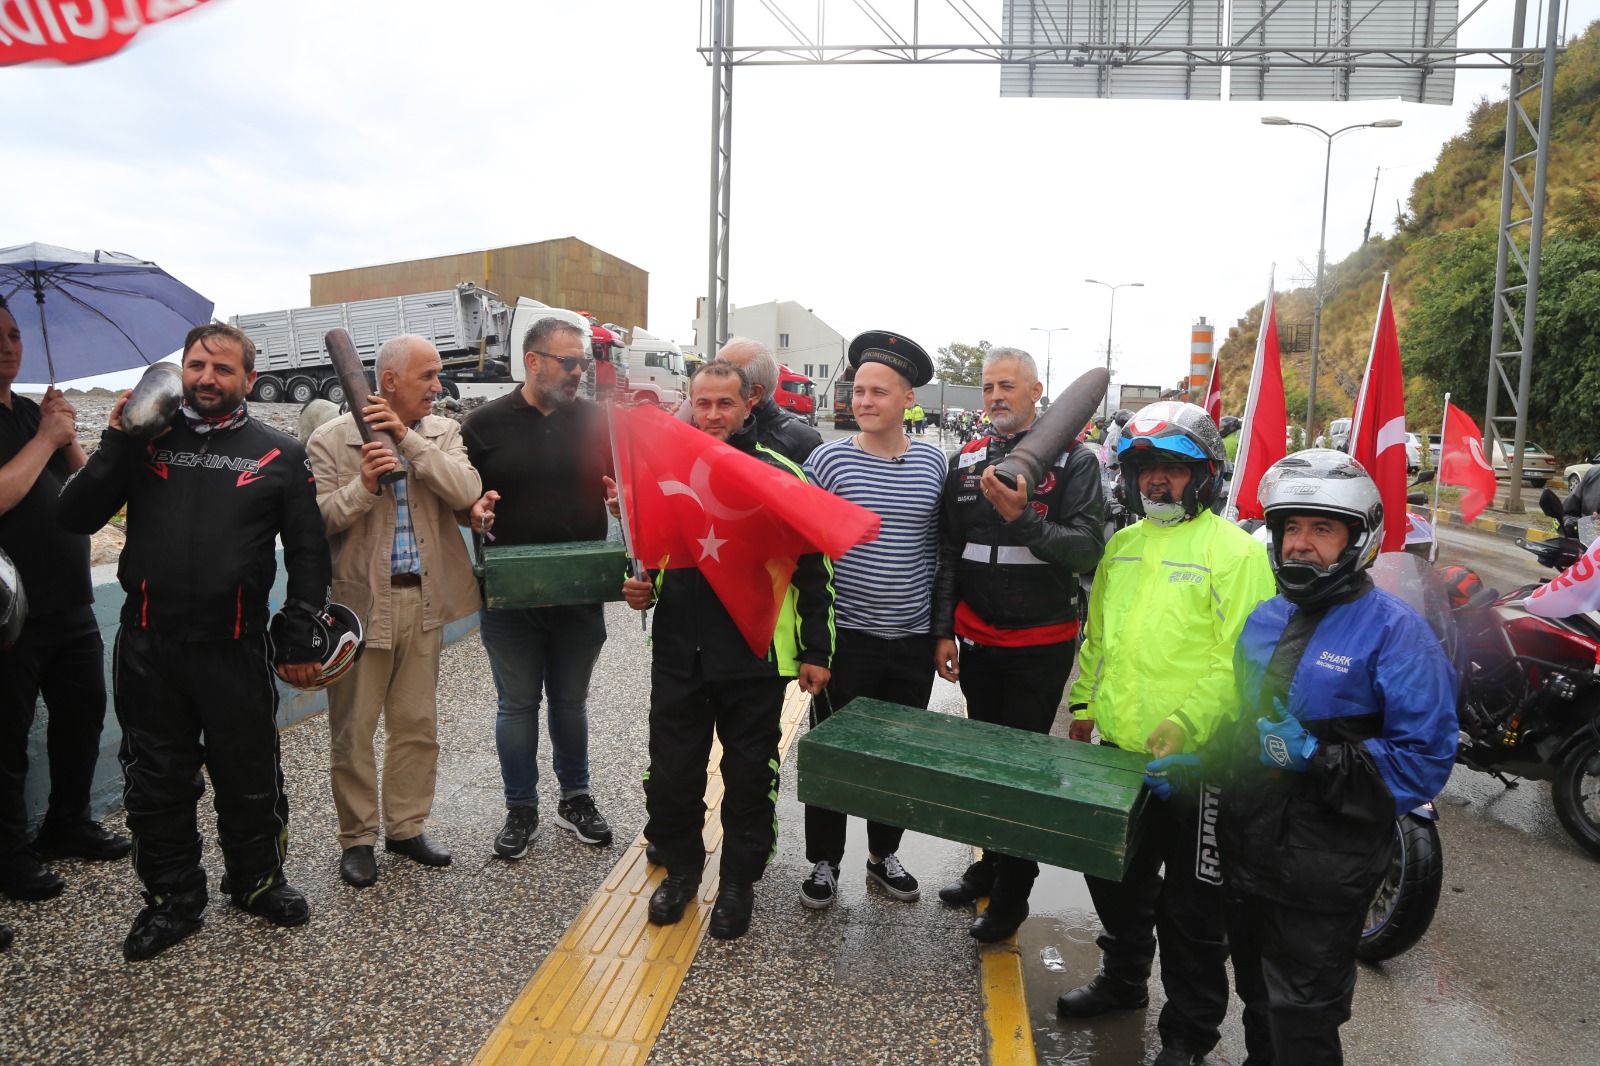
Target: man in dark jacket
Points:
(1005, 597)
(1585, 499)
(58, 652)
(206, 500)
(704, 676)
(781, 430)
(1348, 720)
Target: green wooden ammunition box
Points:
(552, 575)
(1049, 799)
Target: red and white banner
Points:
(1213, 400)
(1461, 461)
(1574, 591)
(76, 31)
(1378, 431)
(1264, 438)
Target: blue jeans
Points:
(550, 652)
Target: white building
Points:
(802, 341)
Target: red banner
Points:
(1213, 400)
(1264, 438)
(1378, 432)
(692, 500)
(76, 31)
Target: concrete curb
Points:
(1507, 530)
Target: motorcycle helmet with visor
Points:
(333, 638)
(13, 602)
(1173, 432)
(1324, 483)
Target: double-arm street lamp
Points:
(1112, 318)
(1049, 335)
(1322, 244)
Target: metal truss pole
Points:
(1513, 189)
(716, 308)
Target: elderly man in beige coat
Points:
(400, 541)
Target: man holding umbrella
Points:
(59, 652)
(206, 499)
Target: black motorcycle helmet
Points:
(1121, 417)
(335, 638)
(1230, 425)
(1173, 432)
(13, 603)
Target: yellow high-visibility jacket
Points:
(1166, 610)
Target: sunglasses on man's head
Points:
(569, 363)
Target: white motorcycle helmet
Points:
(1321, 481)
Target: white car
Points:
(1574, 473)
(1413, 452)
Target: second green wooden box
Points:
(552, 575)
(1049, 799)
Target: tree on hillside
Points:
(961, 364)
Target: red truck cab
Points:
(798, 393)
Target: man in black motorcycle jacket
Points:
(195, 686)
(1005, 597)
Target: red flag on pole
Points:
(1213, 401)
(1462, 462)
(1264, 438)
(695, 501)
(73, 31)
(1378, 431)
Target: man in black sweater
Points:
(206, 501)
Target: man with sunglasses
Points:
(542, 452)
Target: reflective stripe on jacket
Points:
(1167, 607)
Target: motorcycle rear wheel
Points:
(1403, 907)
(1576, 792)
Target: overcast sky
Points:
(252, 143)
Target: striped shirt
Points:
(885, 586)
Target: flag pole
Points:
(1242, 456)
(1366, 377)
(1444, 426)
(622, 507)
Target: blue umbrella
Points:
(97, 311)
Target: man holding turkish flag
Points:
(1461, 461)
(1378, 431)
(735, 540)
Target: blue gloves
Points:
(1168, 776)
(1285, 744)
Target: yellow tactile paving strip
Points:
(602, 995)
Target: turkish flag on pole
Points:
(1378, 431)
(1213, 400)
(1461, 461)
(694, 501)
(75, 31)
(1264, 438)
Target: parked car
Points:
(1339, 433)
(1537, 465)
(1574, 473)
(1413, 452)
(1435, 449)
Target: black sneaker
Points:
(579, 814)
(22, 877)
(522, 825)
(163, 922)
(893, 877)
(273, 899)
(818, 890)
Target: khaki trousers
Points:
(399, 683)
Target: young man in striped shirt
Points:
(883, 589)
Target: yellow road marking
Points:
(602, 995)
(1005, 1005)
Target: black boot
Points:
(730, 918)
(1100, 995)
(271, 898)
(975, 883)
(672, 898)
(163, 922)
(999, 922)
(5, 937)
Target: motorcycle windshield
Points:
(1587, 526)
(1410, 578)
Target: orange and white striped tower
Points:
(1202, 351)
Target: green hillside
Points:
(1442, 263)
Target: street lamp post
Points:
(1322, 245)
(1049, 335)
(1111, 320)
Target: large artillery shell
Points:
(357, 387)
(155, 401)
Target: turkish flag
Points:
(1378, 431)
(1264, 438)
(1461, 462)
(691, 500)
(1573, 591)
(1213, 400)
(75, 31)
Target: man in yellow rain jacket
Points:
(1155, 674)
